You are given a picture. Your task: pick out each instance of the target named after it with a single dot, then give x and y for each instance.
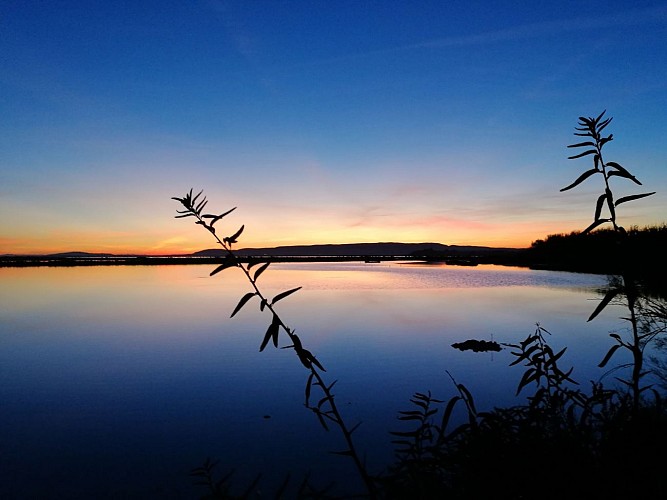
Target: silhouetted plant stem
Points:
(592, 128)
(326, 408)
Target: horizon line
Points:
(309, 245)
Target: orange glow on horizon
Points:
(517, 235)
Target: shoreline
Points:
(19, 261)
(46, 261)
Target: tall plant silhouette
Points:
(324, 406)
(592, 128)
(628, 285)
(561, 429)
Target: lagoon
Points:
(115, 381)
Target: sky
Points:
(322, 122)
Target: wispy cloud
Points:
(550, 28)
(634, 17)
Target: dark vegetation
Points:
(592, 252)
(565, 441)
(598, 251)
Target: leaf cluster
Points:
(193, 207)
(592, 129)
(525, 451)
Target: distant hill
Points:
(357, 249)
(66, 255)
(434, 252)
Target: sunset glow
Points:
(323, 123)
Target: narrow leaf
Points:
(211, 216)
(594, 225)
(201, 205)
(603, 303)
(410, 417)
(271, 331)
(605, 140)
(194, 200)
(242, 302)
(233, 238)
(585, 153)
(410, 412)
(403, 434)
(261, 270)
(314, 361)
(308, 387)
(355, 427)
(610, 204)
(216, 218)
(448, 411)
(282, 295)
(275, 323)
(602, 125)
(346, 453)
(598, 205)
(610, 353)
(229, 262)
(528, 377)
(556, 357)
(626, 176)
(469, 399)
(633, 197)
(420, 403)
(616, 336)
(321, 419)
(587, 143)
(617, 166)
(581, 179)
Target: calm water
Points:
(116, 381)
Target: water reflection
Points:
(118, 380)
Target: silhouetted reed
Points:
(628, 285)
(324, 406)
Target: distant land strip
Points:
(594, 253)
(364, 252)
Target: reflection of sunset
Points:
(106, 352)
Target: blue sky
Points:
(323, 122)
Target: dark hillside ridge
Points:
(390, 249)
(66, 255)
(370, 252)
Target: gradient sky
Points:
(323, 122)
